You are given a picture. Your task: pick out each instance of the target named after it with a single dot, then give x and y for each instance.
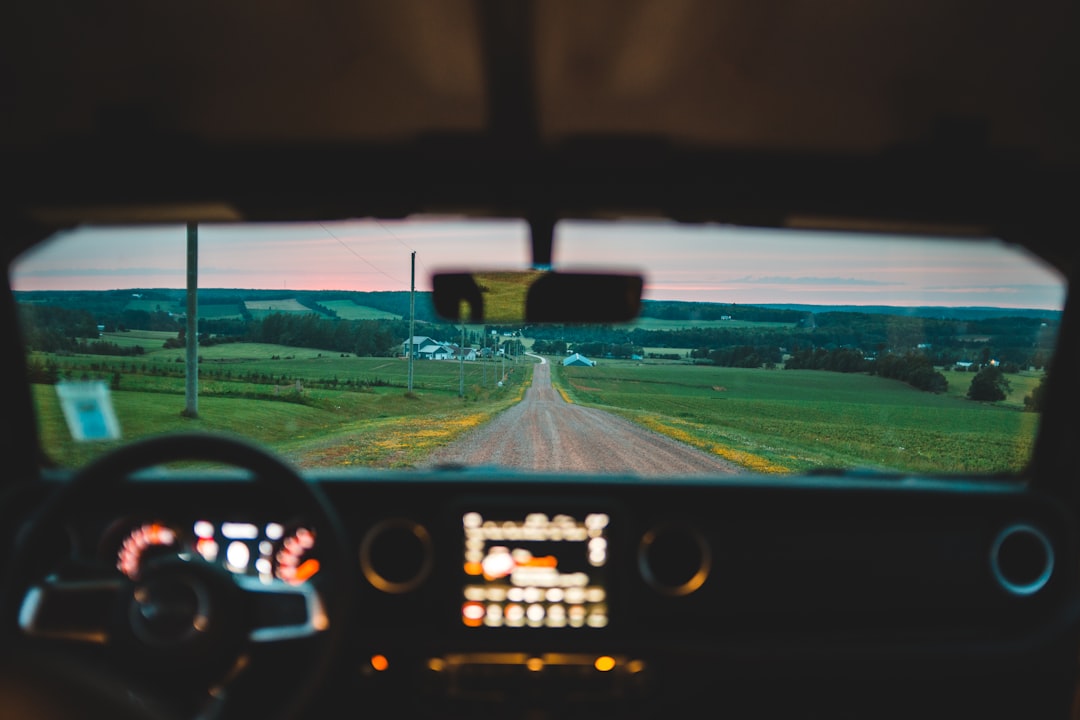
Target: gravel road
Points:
(544, 432)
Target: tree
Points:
(913, 368)
(989, 385)
(1033, 402)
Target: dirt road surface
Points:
(544, 432)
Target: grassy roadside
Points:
(316, 426)
(795, 421)
(740, 451)
(403, 441)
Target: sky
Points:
(711, 263)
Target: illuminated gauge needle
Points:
(305, 570)
(546, 561)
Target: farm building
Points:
(435, 351)
(418, 342)
(577, 359)
(459, 353)
(431, 349)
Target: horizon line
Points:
(644, 300)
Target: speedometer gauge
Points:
(143, 542)
(295, 560)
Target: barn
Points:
(578, 359)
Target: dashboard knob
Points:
(396, 555)
(674, 559)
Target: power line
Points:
(351, 250)
(390, 232)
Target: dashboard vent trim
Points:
(1025, 550)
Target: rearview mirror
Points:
(537, 296)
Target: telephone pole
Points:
(412, 316)
(461, 364)
(191, 356)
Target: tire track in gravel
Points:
(544, 432)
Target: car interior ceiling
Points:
(937, 119)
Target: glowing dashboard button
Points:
(515, 615)
(604, 663)
(472, 614)
(535, 614)
(237, 556)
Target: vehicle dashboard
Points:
(653, 594)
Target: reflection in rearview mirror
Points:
(537, 296)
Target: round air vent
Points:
(1022, 559)
(396, 555)
(674, 559)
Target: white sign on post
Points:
(88, 410)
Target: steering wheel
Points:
(185, 630)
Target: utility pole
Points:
(191, 357)
(412, 316)
(461, 364)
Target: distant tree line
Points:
(612, 350)
(845, 360)
(913, 368)
(102, 347)
(55, 329)
(744, 356)
(1019, 341)
(549, 347)
(676, 310)
(360, 337)
(53, 321)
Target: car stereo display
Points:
(535, 570)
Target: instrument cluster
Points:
(267, 550)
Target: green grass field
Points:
(213, 311)
(348, 310)
(148, 340)
(1021, 384)
(240, 361)
(345, 411)
(217, 312)
(795, 420)
(284, 305)
(330, 409)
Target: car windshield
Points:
(756, 350)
